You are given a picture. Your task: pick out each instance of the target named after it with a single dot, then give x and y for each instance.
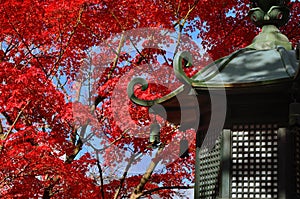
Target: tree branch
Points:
(63, 50)
(138, 191)
(115, 62)
(111, 143)
(181, 25)
(77, 148)
(132, 158)
(48, 190)
(166, 188)
(16, 120)
(101, 177)
(1, 128)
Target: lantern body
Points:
(257, 154)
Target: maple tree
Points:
(49, 123)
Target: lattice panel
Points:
(255, 161)
(209, 172)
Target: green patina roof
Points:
(249, 66)
(246, 67)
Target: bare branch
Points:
(181, 25)
(63, 50)
(16, 120)
(78, 145)
(166, 188)
(101, 177)
(138, 191)
(132, 158)
(121, 44)
(111, 143)
(1, 128)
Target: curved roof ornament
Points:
(133, 97)
(143, 82)
(179, 58)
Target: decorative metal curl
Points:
(144, 83)
(177, 66)
(133, 97)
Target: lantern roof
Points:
(245, 68)
(249, 67)
(268, 60)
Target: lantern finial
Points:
(270, 15)
(269, 12)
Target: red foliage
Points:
(51, 131)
